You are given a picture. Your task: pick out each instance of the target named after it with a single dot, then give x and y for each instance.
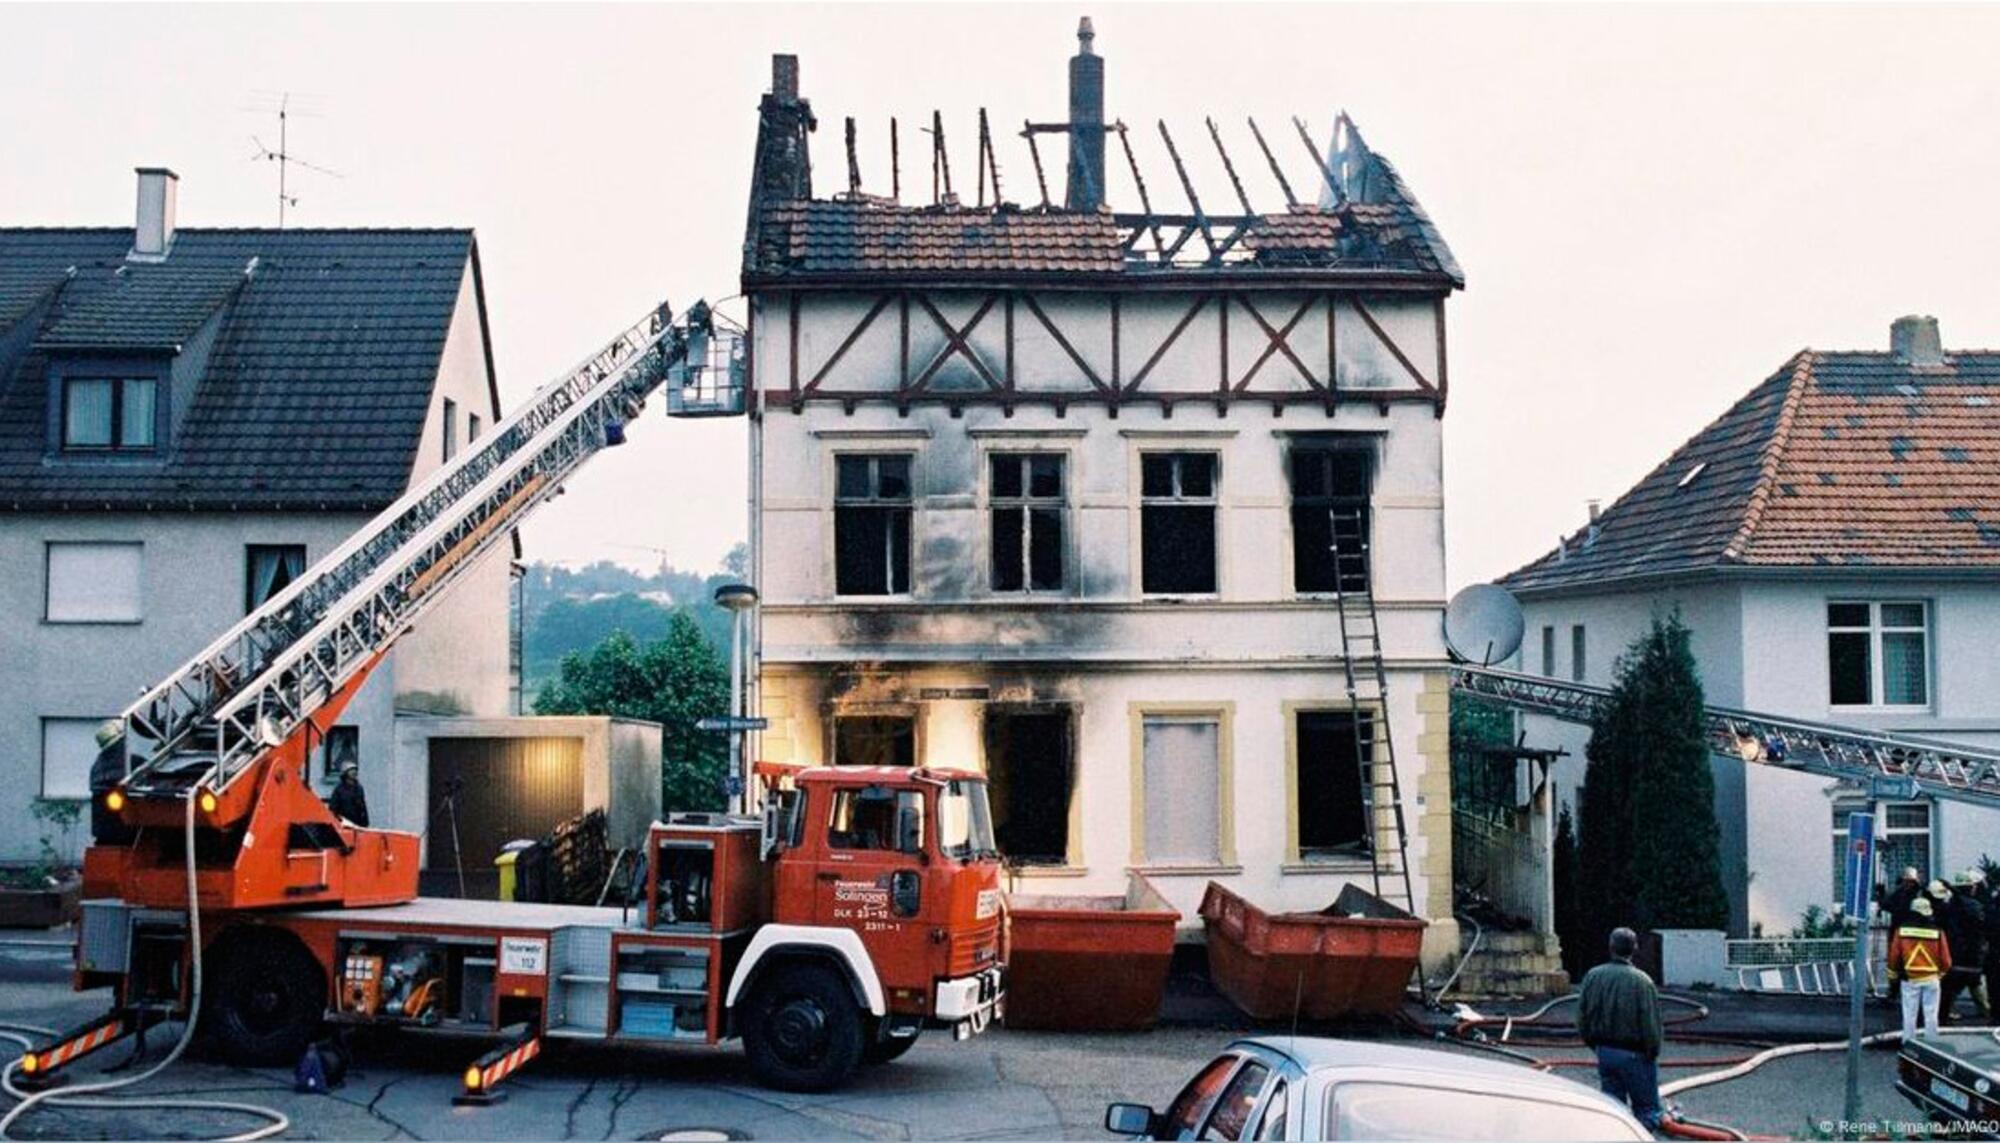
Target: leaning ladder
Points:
(1368, 697)
(265, 677)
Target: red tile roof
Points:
(1852, 460)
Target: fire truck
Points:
(857, 907)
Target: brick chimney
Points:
(1086, 123)
(783, 167)
(1914, 340)
(153, 229)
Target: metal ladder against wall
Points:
(1923, 768)
(260, 681)
(1368, 686)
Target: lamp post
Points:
(738, 599)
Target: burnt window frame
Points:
(874, 500)
(910, 743)
(1028, 504)
(1177, 498)
(1362, 850)
(1327, 451)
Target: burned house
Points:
(1128, 495)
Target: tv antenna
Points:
(283, 155)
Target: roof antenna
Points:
(283, 156)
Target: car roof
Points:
(1315, 1052)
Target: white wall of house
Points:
(1762, 645)
(1254, 648)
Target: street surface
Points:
(1004, 1085)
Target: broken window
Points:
(1177, 523)
(871, 524)
(1182, 779)
(874, 740)
(1335, 752)
(1027, 502)
(1031, 776)
(1329, 516)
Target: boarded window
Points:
(871, 524)
(269, 569)
(1182, 779)
(69, 746)
(1030, 773)
(1027, 504)
(1330, 517)
(109, 413)
(874, 740)
(1335, 749)
(1177, 523)
(95, 582)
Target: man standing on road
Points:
(1618, 1014)
(1919, 958)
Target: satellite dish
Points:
(1483, 625)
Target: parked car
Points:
(1287, 1087)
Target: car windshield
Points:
(965, 821)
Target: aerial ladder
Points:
(1889, 765)
(231, 730)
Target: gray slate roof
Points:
(314, 390)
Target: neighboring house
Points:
(1833, 544)
(1035, 495)
(188, 419)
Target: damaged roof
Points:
(1848, 460)
(307, 362)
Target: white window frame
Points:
(1028, 504)
(49, 614)
(1178, 499)
(834, 502)
(1875, 630)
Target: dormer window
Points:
(110, 414)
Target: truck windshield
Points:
(965, 822)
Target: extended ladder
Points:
(1921, 767)
(1368, 697)
(262, 680)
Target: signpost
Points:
(731, 724)
(1860, 887)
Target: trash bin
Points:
(1353, 958)
(511, 869)
(1081, 963)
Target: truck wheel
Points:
(805, 1030)
(883, 1051)
(263, 998)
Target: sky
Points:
(1654, 206)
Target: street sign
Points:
(1860, 865)
(725, 724)
(1892, 787)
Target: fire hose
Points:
(78, 1096)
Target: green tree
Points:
(1649, 847)
(673, 681)
(1568, 917)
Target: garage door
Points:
(506, 788)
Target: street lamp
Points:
(738, 599)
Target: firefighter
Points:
(1896, 902)
(1919, 957)
(1991, 904)
(106, 771)
(348, 799)
(1965, 932)
(1618, 1015)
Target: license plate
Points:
(1951, 1095)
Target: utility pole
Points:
(1860, 882)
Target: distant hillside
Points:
(566, 609)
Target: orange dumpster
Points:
(1351, 959)
(1078, 963)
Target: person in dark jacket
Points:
(348, 799)
(1618, 1015)
(1965, 931)
(1990, 901)
(106, 771)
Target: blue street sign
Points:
(730, 724)
(1892, 787)
(1860, 864)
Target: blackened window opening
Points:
(871, 525)
(1335, 752)
(1031, 776)
(874, 740)
(1330, 486)
(1177, 523)
(1027, 503)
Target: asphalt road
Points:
(1003, 1085)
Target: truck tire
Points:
(883, 1051)
(263, 998)
(805, 1031)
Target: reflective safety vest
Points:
(1919, 954)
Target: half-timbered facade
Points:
(1071, 494)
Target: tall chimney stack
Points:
(1914, 340)
(153, 232)
(1086, 123)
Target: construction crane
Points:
(1893, 765)
(232, 727)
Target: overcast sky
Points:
(1654, 206)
